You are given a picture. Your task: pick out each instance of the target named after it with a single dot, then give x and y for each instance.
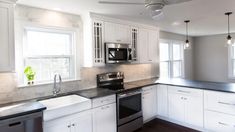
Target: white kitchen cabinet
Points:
(98, 42)
(80, 122)
(176, 107)
(6, 37)
(149, 103)
(104, 118)
(186, 105)
(143, 46)
(162, 101)
(148, 45)
(117, 33)
(219, 122)
(153, 46)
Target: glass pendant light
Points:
(229, 38)
(187, 43)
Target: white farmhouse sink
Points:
(63, 106)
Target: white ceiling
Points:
(207, 16)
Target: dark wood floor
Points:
(158, 125)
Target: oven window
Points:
(117, 54)
(129, 105)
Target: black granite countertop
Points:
(20, 109)
(95, 93)
(31, 106)
(214, 86)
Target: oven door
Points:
(129, 106)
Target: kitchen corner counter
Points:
(95, 93)
(214, 86)
(13, 110)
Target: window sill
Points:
(45, 83)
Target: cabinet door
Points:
(143, 46)
(123, 33)
(104, 118)
(6, 37)
(149, 103)
(62, 126)
(110, 32)
(176, 107)
(82, 123)
(153, 46)
(162, 101)
(98, 43)
(117, 33)
(194, 110)
(219, 122)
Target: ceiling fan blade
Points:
(171, 2)
(121, 3)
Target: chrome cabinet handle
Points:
(221, 123)
(224, 103)
(184, 91)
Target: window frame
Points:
(74, 55)
(171, 60)
(231, 59)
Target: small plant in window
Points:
(30, 75)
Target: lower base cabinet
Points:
(81, 122)
(219, 122)
(104, 118)
(149, 103)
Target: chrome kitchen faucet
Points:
(57, 85)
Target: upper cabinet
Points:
(6, 37)
(98, 44)
(117, 33)
(148, 46)
(143, 40)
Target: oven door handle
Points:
(128, 94)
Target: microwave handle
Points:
(129, 53)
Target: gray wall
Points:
(188, 54)
(211, 58)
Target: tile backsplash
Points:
(9, 92)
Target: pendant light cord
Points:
(228, 25)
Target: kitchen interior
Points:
(117, 66)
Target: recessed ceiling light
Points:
(57, 9)
(175, 24)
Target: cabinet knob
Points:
(69, 126)
(73, 124)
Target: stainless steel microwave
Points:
(117, 53)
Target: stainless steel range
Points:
(129, 106)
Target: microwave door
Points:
(117, 54)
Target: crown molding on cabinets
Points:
(121, 21)
(9, 1)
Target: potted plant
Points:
(30, 75)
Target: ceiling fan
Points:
(154, 6)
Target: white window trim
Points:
(77, 49)
(230, 62)
(170, 61)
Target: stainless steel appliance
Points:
(117, 53)
(129, 104)
(27, 123)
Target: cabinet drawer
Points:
(219, 122)
(103, 101)
(219, 101)
(148, 90)
(185, 91)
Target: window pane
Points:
(46, 68)
(176, 52)
(177, 69)
(48, 43)
(164, 52)
(164, 69)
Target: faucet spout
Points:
(57, 85)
